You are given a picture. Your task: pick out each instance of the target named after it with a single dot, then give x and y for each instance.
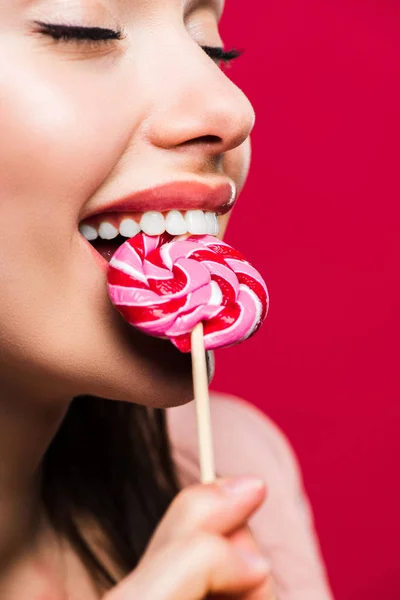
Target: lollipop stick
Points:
(202, 400)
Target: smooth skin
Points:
(82, 124)
(201, 548)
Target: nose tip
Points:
(219, 131)
(201, 107)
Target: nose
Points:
(194, 104)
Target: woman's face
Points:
(83, 124)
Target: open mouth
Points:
(108, 231)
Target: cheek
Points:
(56, 148)
(52, 149)
(237, 163)
(236, 166)
(53, 156)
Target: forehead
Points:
(218, 4)
(186, 5)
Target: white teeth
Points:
(152, 223)
(212, 223)
(196, 222)
(128, 228)
(107, 231)
(88, 232)
(175, 223)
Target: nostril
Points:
(203, 139)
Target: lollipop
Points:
(196, 291)
(166, 286)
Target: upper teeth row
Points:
(153, 222)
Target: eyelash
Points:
(68, 33)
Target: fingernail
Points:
(254, 560)
(242, 485)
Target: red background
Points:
(320, 218)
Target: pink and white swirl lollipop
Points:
(198, 292)
(166, 286)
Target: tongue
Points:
(106, 247)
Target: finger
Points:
(244, 539)
(220, 507)
(265, 591)
(190, 571)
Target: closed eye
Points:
(217, 53)
(79, 33)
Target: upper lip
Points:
(184, 195)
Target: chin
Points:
(162, 379)
(143, 370)
(118, 362)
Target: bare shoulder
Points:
(246, 441)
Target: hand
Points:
(202, 548)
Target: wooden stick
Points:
(202, 400)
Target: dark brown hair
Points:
(109, 462)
